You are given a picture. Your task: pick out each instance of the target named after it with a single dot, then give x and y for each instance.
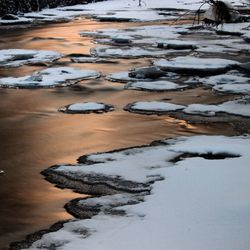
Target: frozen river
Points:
(34, 135)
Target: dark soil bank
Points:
(16, 6)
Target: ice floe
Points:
(229, 83)
(19, 57)
(238, 107)
(131, 52)
(49, 77)
(137, 74)
(243, 88)
(122, 77)
(86, 108)
(139, 34)
(196, 65)
(183, 203)
(159, 85)
(153, 107)
(90, 59)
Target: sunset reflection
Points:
(35, 136)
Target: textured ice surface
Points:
(49, 78)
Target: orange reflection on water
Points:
(34, 135)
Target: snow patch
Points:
(184, 203)
(50, 77)
(154, 85)
(195, 64)
(19, 57)
(87, 107)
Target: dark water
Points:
(34, 136)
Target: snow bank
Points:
(202, 203)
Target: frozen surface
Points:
(87, 107)
(155, 106)
(130, 52)
(137, 34)
(243, 88)
(18, 57)
(236, 107)
(239, 107)
(120, 77)
(200, 204)
(154, 85)
(49, 78)
(229, 83)
(19, 20)
(194, 63)
(150, 10)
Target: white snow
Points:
(116, 9)
(19, 20)
(154, 85)
(120, 77)
(236, 27)
(226, 44)
(125, 162)
(229, 83)
(86, 106)
(236, 107)
(201, 203)
(49, 77)
(225, 79)
(88, 59)
(194, 63)
(139, 34)
(130, 52)
(156, 106)
(234, 88)
(18, 57)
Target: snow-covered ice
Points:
(131, 52)
(89, 59)
(128, 10)
(195, 64)
(120, 77)
(19, 57)
(159, 85)
(49, 77)
(231, 83)
(237, 107)
(87, 107)
(17, 21)
(145, 73)
(243, 88)
(202, 203)
(153, 107)
(139, 33)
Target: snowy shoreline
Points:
(191, 160)
(164, 186)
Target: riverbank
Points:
(114, 53)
